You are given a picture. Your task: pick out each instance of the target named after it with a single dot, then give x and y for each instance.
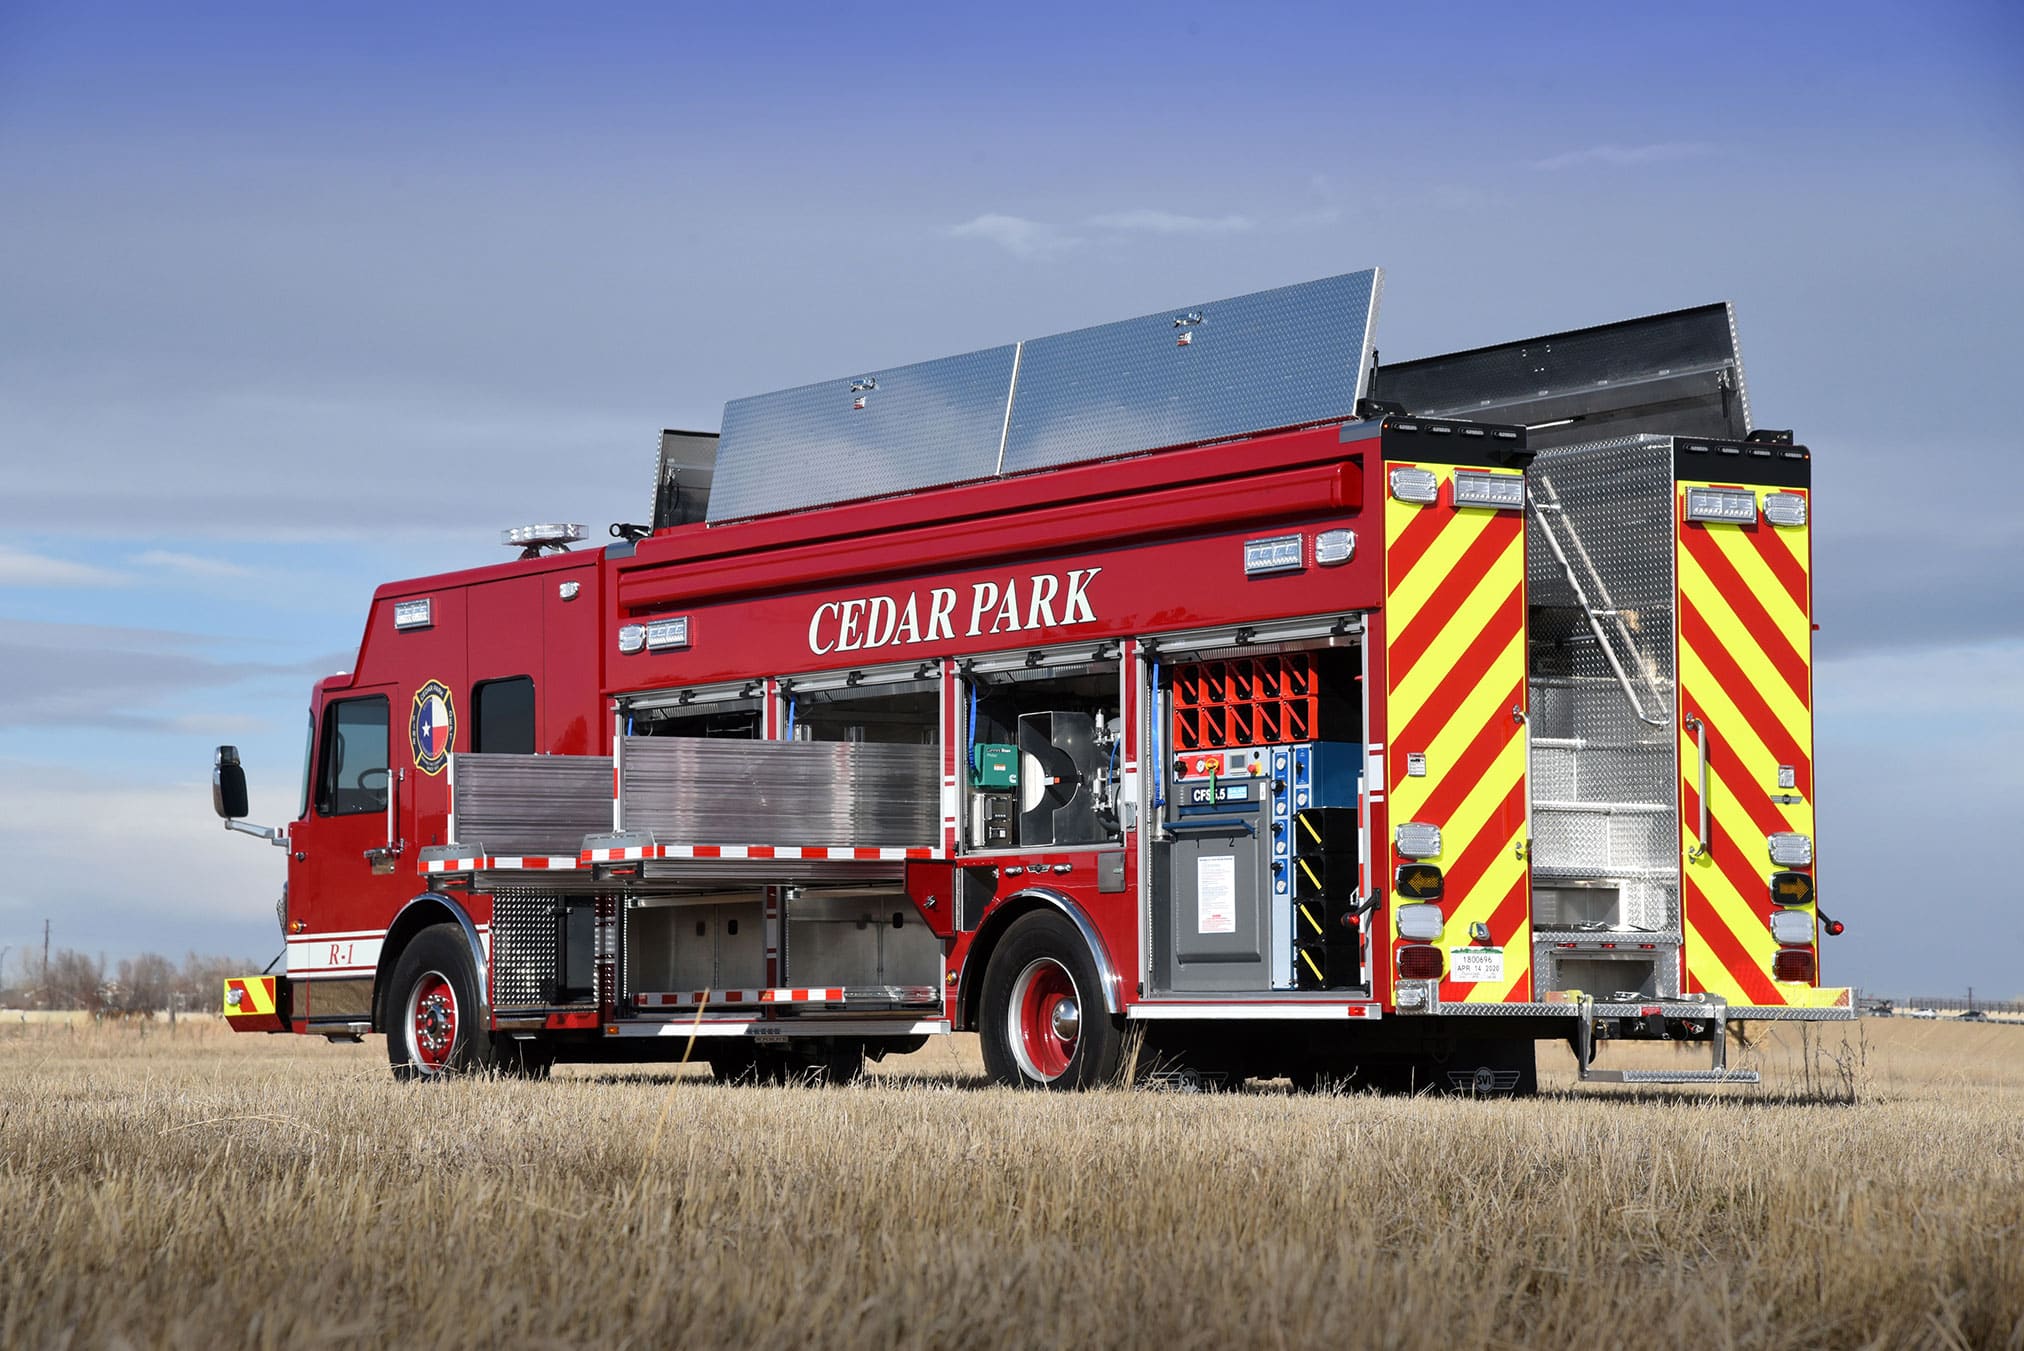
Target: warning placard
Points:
(1469, 966)
(1216, 894)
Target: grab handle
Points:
(1700, 850)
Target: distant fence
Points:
(1959, 1004)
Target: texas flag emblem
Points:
(432, 727)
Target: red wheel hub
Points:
(432, 1022)
(1046, 1019)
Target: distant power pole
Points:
(45, 959)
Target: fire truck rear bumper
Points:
(1671, 1007)
(256, 1003)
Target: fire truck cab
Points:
(1189, 674)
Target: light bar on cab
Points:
(1505, 492)
(1735, 506)
(545, 535)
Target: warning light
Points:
(1785, 509)
(1424, 963)
(1415, 485)
(1735, 505)
(1505, 492)
(1793, 964)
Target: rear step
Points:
(1710, 1009)
(1595, 1076)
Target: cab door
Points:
(344, 878)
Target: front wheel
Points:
(434, 1023)
(1044, 1024)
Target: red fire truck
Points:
(1193, 675)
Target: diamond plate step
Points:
(1595, 1076)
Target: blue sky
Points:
(292, 303)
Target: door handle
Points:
(1700, 849)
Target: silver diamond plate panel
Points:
(523, 946)
(695, 790)
(866, 435)
(1652, 974)
(1194, 373)
(1605, 782)
(532, 804)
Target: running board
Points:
(1722, 1076)
(1708, 1008)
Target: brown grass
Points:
(208, 1190)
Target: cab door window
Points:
(351, 776)
(504, 722)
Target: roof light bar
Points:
(1734, 506)
(1503, 492)
(548, 534)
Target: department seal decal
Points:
(432, 727)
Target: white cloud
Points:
(1016, 235)
(189, 565)
(1623, 156)
(162, 869)
(20, 568)
(1172, 223)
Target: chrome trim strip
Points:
(1106, 970)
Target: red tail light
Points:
(1793, 964)
(1420, 962)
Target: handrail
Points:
(1700, 731)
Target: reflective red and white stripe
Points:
(839, 853)
(692, 998)
(488, 863)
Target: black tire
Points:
(435, 960)
(1023, 1045)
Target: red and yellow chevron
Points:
(1455, 687)
(1746, 672)
(249, 1005)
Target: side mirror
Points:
(228, 784)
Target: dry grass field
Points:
(206, 1190)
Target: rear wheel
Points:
(434, 1023)
(1043, 1022)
